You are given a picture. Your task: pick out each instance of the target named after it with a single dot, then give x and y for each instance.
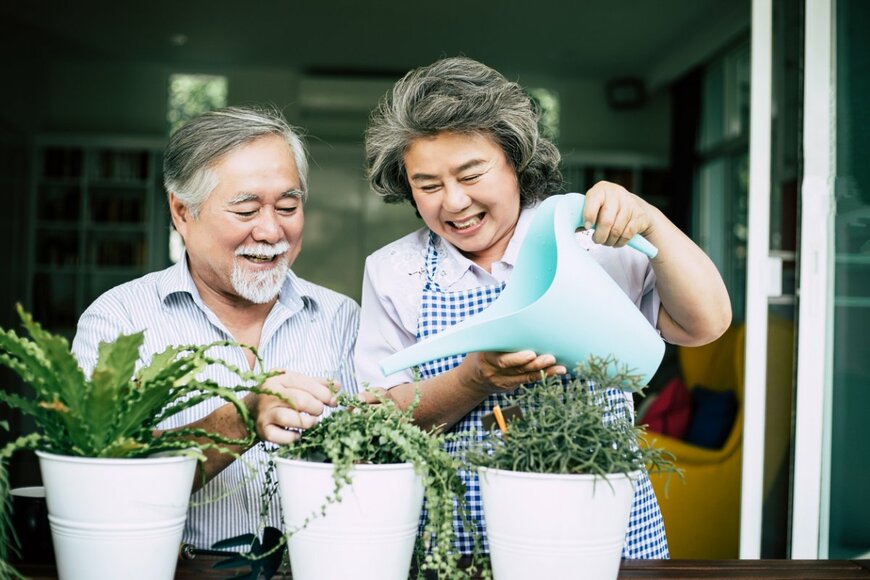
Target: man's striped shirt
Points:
(310, 330)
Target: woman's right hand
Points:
(494, 372)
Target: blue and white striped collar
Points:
(294, 295)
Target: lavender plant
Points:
(116, 412)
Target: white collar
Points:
(454, 264)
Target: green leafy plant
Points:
(115, 413)
(383, 434)
(6, 570)
(263, 559)
(574, 428)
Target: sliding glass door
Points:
(830, 512)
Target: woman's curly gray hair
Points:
(459, 95)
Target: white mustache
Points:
(265, 250)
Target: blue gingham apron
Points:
(439, 310)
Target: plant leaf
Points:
(160, 362)
(125, 447)
(26, 406)
(207, 390)
(26, 359)
(263, 559)
(241, 540)
(104, 403)
(155, 388)
(66, 376)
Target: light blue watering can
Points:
(559, 301)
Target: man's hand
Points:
(281, 419)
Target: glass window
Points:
(722, 176)
(192, 95)
(548, 101)
(849, 534)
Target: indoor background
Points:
(651, 94)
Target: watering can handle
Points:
(637, 242)
(644, 246)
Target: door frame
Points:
(757, 278)
(811, 483)
(814, 384)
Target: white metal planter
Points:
(368, 535)
(116, 518)
(555, 526)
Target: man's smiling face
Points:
(249, 230)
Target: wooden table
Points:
(783, 569)
(201, 567)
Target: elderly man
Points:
(236, 180)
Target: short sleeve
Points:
(381, 332)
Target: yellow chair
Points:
(702, 513)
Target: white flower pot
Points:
(368, 535)
(116, 518)
(555, 526)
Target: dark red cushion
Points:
(670, 412)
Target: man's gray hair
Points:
(199, 144)
(459, 95)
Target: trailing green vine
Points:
(383, 434)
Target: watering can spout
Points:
(559, 301)
(471, 338)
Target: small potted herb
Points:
(557, 478)
(117, 489)
(352, 489)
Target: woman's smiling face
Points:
(466, 191)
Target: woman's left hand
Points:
(695, 308)
(616, 214)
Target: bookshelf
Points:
(98, 219)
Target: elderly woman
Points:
(460, 143)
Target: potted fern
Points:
(117, 489)
(558, 476)
(354, 485)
